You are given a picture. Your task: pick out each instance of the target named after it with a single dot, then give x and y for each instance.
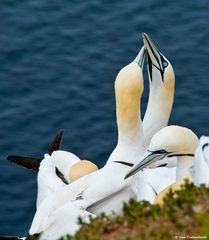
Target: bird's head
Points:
(129, 85)
(169, 142)
(80, 169)
(160, 70)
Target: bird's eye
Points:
(162, 151)
(165, 64)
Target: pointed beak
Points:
(147, 159)
(154, 55)
(140, 58)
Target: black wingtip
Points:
(25, 162)
(56, 142)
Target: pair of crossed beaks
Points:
(33, 163)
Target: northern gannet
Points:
(161, 90)
(198, 173)
(106, 187)
(150, 182)
(192, 159)
(70, 168)
(56, 169)
(170, 141)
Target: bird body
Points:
(70, 167)
(56, 169)
(100, 186)
(66, 219)
(90, 189)
(47, 180)
(150, 182)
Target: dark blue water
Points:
(58, 62)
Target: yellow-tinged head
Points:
(174, 139)
(159, 68)
(128, 90)
(160, 72)
(169, 142)
(80, 169)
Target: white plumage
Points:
(47, 179)
(106, 186)
(147, 184)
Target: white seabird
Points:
(147, 184)
(192, 159)
(181, 142)
(170, 141)
(106, 187)
(161, 90)
(56, 169)
(198, 172)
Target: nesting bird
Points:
(56, 169)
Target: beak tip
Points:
(126, 176)
(144, 35)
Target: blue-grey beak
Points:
(154, 57)
(140, 57)
(148, 158)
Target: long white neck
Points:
(131, 142)
(183, 167)
(128, 90)
(133, 135)
(159, 106)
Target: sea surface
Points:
(58, 63)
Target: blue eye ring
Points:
(165, 64)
